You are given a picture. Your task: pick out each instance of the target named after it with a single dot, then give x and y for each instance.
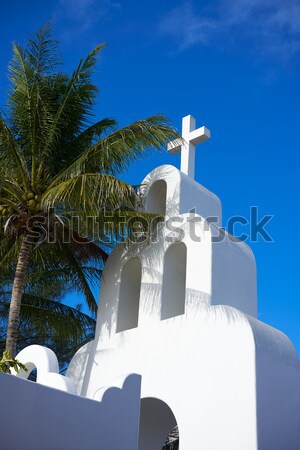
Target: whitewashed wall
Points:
(37, 417)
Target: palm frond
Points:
(90, 192)
(95, 131)
(12, 154)
(11, 188)
(79, 89)
(9, 251)
(115, 152)
(43, 319)
(79, 277)
(42, 50)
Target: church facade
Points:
(178, 335)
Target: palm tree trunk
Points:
(16, 297)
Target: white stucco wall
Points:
(36, 417)
(277, 389)
(182, 313)
(234, 275)
(211, 363)
(224, 371)
(212, 347)
(197, 368)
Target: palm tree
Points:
(44, 319)
(56, 164)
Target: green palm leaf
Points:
(78, 91)
(114, 153)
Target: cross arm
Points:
(200, 135)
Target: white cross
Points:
(191, 137)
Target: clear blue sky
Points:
(235, 67)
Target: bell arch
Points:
(156, 198)
(129, 295)
(174, 281)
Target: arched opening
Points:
(32, 375)
(156, 198)
(129, 296)
(157, 422)
(174, 281)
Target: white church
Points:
(178, 343)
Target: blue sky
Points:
(233, 65)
